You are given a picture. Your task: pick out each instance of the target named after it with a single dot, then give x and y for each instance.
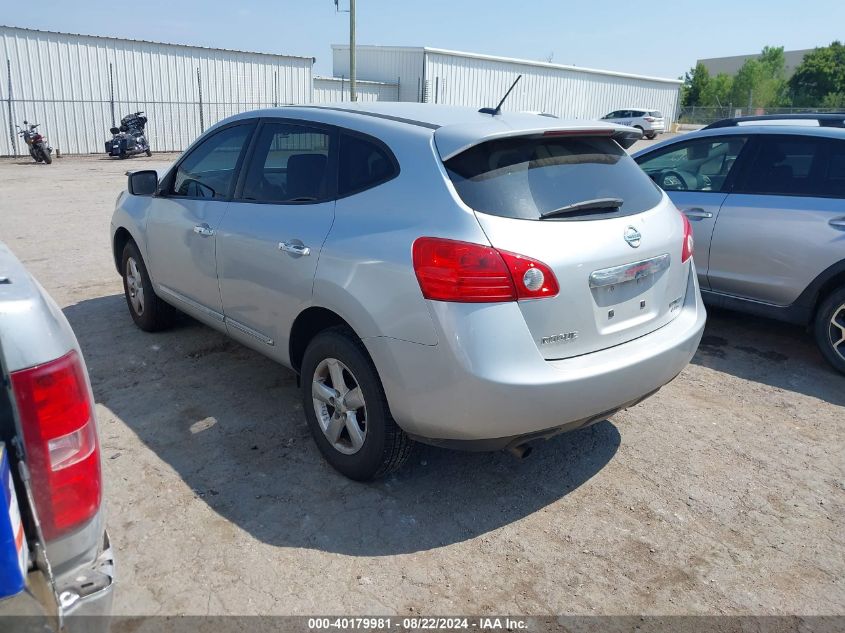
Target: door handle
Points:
(204, 230)
(838, 223)
(294, 249)
(697, 213)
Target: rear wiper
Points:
(584, 205)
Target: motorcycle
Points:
(128, 139)
(38, 147)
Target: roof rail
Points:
(825, 119)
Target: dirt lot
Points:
(722, 494)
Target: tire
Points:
(149, 153)
(381, 446)
(830, 329)
(47, 158)
(149, 313)
(651, 136)
(640, 129)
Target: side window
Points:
(784, 166)
(699, 165)
(613, 115)
(209, 170)
(833, 176)
(363, 164)
(290, 163)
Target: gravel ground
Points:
(722, 494)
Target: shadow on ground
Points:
(230, 423)
(769, 352)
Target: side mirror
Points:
(142, 183)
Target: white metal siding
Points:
(62, 81)
(335, 89)
(394, 64)
(477, 82)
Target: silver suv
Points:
(431, 273)
(766, 198)
(650, 122)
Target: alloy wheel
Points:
(836, 332)
(339, 405)
(134, 286)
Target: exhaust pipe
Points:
(520, 451)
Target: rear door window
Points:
(364, 163)
(833, 178)
(290, 164)
(526, 177)
(785, 165)
(698, 165)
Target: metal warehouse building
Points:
(77, 86)
(435, 75)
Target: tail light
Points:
(650, 119)
(687, 248)
(61, 442)
(448, 270)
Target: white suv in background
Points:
(649, 121)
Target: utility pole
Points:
(353, 93)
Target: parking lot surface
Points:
(722, 494)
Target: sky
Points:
(660, 39)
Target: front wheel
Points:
(46, 156)
(830, 329)
(149, 152)
(148, 311)
(346, 408)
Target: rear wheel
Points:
(639, 127)
(830, 329)
(650, 136)
(347, 410)
(148, 311)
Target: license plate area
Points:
(629, 295)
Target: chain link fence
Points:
(700, 115)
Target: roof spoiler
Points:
(450, 147)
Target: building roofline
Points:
(128, 39)
(358, 81)
(514, 60)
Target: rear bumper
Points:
(86, 595)
(486, 386)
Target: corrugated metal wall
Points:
(434, 75)
(571, 93)
(394, 64)
(63, 82)
(335, 89)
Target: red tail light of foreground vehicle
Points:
(686, 250)
(61, 442)
(449, 270)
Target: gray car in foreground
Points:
(469, 280)
(766, 199)
(51, 468)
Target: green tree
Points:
(820, 74)
(696, 81)
(718, 91)
(760, 81)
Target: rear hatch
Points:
(577, 202)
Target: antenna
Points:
(498, 108)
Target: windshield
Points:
(528, 177)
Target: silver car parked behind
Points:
(432, 273)
(766, 198)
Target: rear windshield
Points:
(526, 177)
(656, 113)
